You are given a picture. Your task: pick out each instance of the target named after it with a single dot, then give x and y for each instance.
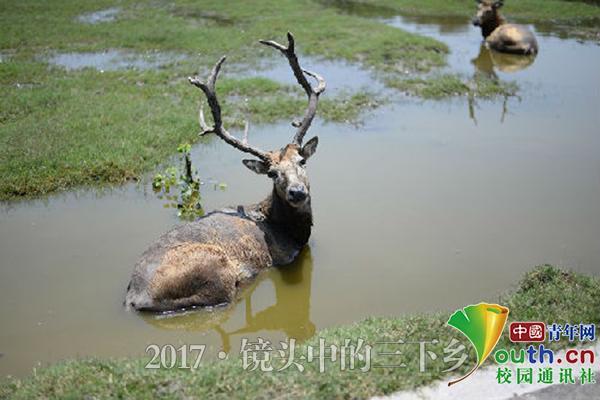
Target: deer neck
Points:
(490, 26)
(295, 223)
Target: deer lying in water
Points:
(206, 262)
(500, 35)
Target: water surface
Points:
(112, 60)
(96, 17)
(419, 209)
(341, 75)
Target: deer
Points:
(207, 262)
(500, 35)
(289, 314)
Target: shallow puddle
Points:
(4, 56)
(112, 60)
(420, 209)
(199, 15)
(341, 76)
(108, 15)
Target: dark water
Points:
(427, 206)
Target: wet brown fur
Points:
(206, 262)
(500, 35)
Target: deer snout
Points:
(297, 193)
(475, 21)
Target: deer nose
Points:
(297, 193)
(475, 21)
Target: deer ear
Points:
(259, 167)
(309, 148)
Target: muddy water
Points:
(427, 206)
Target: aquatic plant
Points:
(181, 187)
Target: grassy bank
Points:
(60, 129)
(564, 18)
(448, 85)
(566, 11)
(546, 293)
(212, 28)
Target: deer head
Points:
(487, 11)
(285, 166)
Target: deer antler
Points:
(208, 88)
(299, 73)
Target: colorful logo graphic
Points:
(482, 324)
(524, 332)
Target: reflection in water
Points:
(461, 38)
(443, 24)
(290, 314)
(487, 63)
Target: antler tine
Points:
(321, 84)
(205, 128)
(208, 88)
(290, 53)
(299, 73)
(246, 127)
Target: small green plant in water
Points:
(185, 184)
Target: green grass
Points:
(32, 26)
(61, 129)
(531, 10)
(546, 294)
(564, 18)
(451, 85)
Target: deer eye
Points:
(303, 161)
(272, 174)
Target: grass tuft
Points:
(451, 85)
